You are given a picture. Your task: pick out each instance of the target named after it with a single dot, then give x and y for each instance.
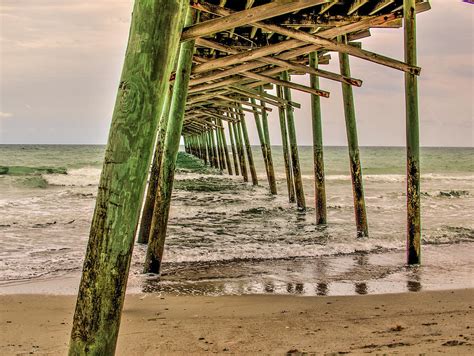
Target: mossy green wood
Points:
(261, 138)
(240, 150)
(220, 142)
(147, 212)
(228, 163)
(216, 149)
(234, 151)
(153, 42)
(412, 137)
(318, 157)
(286, 154)
(353, 143)
(295, 161)
(248, 148)
(212, 140)
(154, 254)
(268, 149)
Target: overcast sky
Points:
(60, 63)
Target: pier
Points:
(196, 71)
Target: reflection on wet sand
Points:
(357, 274)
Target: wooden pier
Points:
(193, 70)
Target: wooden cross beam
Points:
(245, 17)
(324, 41)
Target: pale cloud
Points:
(64, 59)
(5, 115)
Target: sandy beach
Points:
(429, 323)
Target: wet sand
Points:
(439, 322)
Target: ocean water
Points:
(227, 237)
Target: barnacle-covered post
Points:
(319, 184)
(248, 147)
(295, 161)
(156, 241)
(153, 43)
(412, 137)
(286, 155)
(352, 141)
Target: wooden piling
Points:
(240, 150)
(352, 141)
(154, 254)
(261, 138)
(234, 150)
(319, 183)
(215, 145)
(248, 148)
(268, 148)
(220, 149)
(412, 137)
(153, 42)
(147, 212)
(295, 161)
(226, 148)
(286, 155)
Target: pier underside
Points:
(198, 70)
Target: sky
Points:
(60, 63)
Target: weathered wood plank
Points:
(153, 42)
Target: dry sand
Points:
(416, 323)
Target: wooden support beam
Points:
(156, 242)
(147, 212)
(240, 150)
(234, 151)
(264, 95)
(268, 153)
(295, 161)
(153, 42)
(356, 5)
(220, 143)
(413, 141)
(352, 141)
(318, 159)
(287, 84)
(286, 155)
(328, 43)
(248, 147)
(288, 65)
(382, 4)
(245, 17)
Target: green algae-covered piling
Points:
(353, 143)
(412, 135)
(220, 149)
(156, 241)
(268, 149)
(226, 148)
(319, 184)
(261, 138)
(234, 151)
(240, 149)
(248, 147)
(149, 204)
(153, 43)
(295, 161)
(286, 154)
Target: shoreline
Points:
(439, 322)
(359, 273)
